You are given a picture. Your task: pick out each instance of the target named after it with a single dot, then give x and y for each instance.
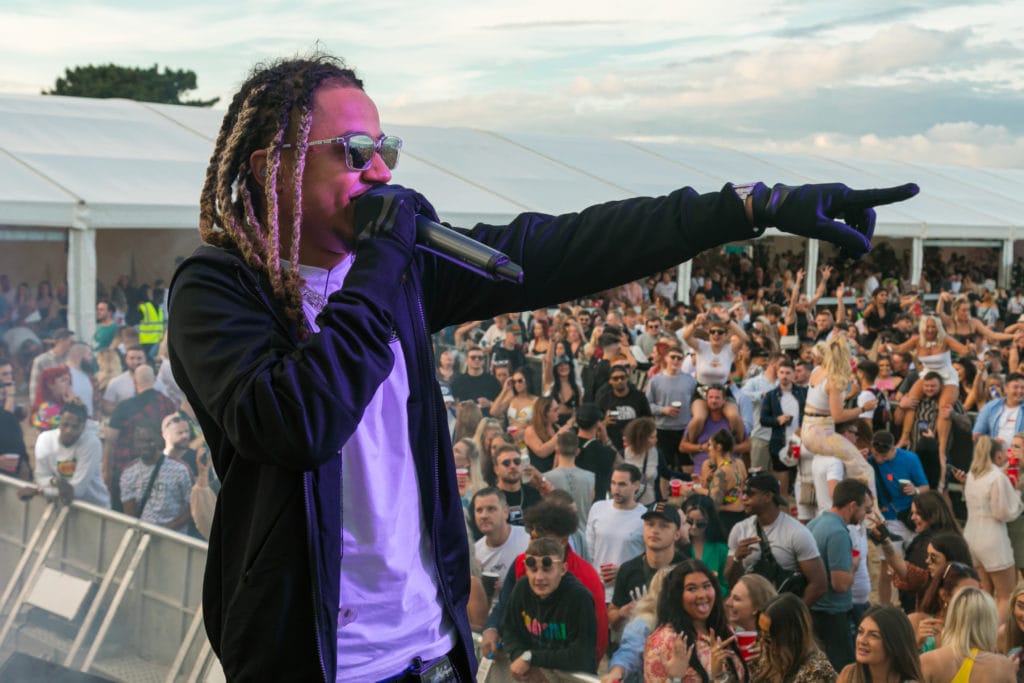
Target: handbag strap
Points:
(883, 490)
(149, 485)
(766, 548)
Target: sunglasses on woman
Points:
(360, 148)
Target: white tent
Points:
(85, 165)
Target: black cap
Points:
(763, 480)
(666, 511)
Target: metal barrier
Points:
(139, 620)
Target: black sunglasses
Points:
(546, 562)
(512, 461)
(716, 332)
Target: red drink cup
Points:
(745, 641)
(676, 487)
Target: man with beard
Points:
(508, 468)
(622, 403)
(501, 542)
(615, 527)
(792, 545)
(851, 503)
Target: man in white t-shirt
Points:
(122, 387)
(615, 528)
(501, 542)
(1003, 417)
(792, 545)
(828, 470)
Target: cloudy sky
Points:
(918, 80)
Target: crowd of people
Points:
(690, 488)
(101, 420)
(748, 486)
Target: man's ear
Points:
(258, 165)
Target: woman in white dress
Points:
(992, 501)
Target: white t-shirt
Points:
(120, 388)
(790, 406)
(498, 560)
(1008, 424)
(390, 606)
(790, 541)
(825, 468)
(863, 398)
(614, 536)
(861, 578)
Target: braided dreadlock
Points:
(260, 116)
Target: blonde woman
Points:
(829, 386)
(968, 651)
(109, 366)
(934, 354)
(992, 501)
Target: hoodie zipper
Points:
(422, 347)
(307, 494)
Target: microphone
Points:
(453, 246)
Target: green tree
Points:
(129, 82)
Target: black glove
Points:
(390, 211)
(831, 212)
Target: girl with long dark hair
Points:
(691, 617)
(885, 649)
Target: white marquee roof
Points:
(75, 162)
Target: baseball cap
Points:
(666, 511)
(766, 482)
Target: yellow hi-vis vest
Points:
(151, 328)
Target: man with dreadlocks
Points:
(299, 333)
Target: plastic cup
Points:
(490, 581)
(676, 487)
(461, 475)
(677, 404)
(745, 641)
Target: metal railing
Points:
(141, 620)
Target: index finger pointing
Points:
(883, 195)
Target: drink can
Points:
(526, 465)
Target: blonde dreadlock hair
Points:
(260, 116)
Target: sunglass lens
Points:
(360, 152)
(390, 146)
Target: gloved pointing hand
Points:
(831, 212)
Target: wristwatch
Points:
(742, 191)
(527, 656)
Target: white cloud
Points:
(962, 143)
